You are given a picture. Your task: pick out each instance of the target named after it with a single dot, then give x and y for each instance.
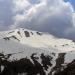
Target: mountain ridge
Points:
(39, 39)
(23, 50)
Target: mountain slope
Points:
(38, 39)
(22, 51)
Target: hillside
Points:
(27, 52)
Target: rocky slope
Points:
(27, 52)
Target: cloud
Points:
(53, 16)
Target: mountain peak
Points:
(38, 39)
(24, 32)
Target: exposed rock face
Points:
(25, 66)
(59, 61)
(27, 34)
(69, 70)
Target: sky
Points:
(72, 2)
(56, 17)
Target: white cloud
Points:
(20, 5)
(53, 16)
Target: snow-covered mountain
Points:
(27, 52)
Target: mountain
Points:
(27, 52)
